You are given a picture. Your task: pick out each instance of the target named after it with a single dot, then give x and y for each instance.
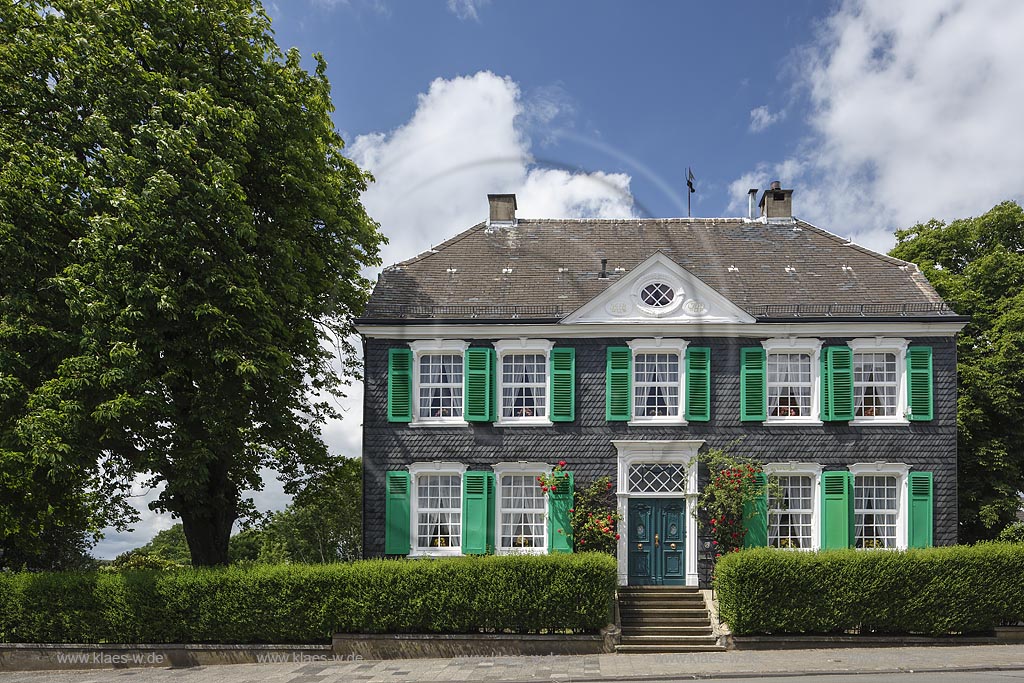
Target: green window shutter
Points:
(475, 507)
(826, 405)
(400, 385)
(919, 524)
(753, 389)
(478, 394)
(559, 504)
(492, 503)
(563, 384)
(755, 515)
(838, 383)
(698, 384)
(619, 384)
(919, 383)
(397, 512)
(836, 510)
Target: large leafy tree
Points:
(182, 244)
(977, 265)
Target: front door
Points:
(657, 542)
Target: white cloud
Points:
(464, 141)
(762, 117)
(914, 110)
(467, 9)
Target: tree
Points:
(183, 242)
(169, 544)
(977, 265)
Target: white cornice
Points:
(939, 328)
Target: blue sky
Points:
(878, 114)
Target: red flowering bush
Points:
(729, 489)
(557, 477)
(595, 520)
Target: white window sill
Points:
(431, 552)
(812, 549)
(657, 422)
(521, 551)
(439, 423)
(881, 550)
(523, 422)
(791, 422)
(868, 421)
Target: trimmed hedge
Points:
(935, 591)
(300, 604)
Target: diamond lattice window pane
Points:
(657, 478)
(657, 295)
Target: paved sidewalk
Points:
(733, 664)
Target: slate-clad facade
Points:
(410, 308)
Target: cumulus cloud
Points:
(914, 110)
(465, 140)
(762, 117)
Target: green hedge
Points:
(307, 603)
(962, 589)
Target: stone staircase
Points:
(665, 619)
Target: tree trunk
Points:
(208, 530)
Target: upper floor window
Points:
(792, 379)
(523, 382)
(657, 295)
(658, 380)
(879, 380)
(438, 381)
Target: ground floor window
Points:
(522, 521)
(875, 510)
(790, 506)
(439, 512)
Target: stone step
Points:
(667, 630)
(670, 640)
(689, 590)
(665, 649)
(633, 622)
(667, 611)
(661, 602)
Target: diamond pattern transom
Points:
(657, 294)
(651, 478)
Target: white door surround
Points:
(666, 452)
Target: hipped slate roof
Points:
(546, 269)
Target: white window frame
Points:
(437, 467)
(806, 345)
(517, 346)
(885, 345)
(431, 347)
(528, 469)
(888, 469)
(802, 469)
(658, 345)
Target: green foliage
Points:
(169, 545)
(134, 560)
(977, 265)
(1014, 533)
(934, 591)
(307, 603)
(729, 491)
(595, 517)
(181, 235)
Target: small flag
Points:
(690, 178)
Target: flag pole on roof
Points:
(689, 183)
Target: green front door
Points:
(657, 542)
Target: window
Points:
(523, 381)
(875, 511)
(792, 379)
(436, 508)
(875, 384)
(658, 380)
(790, 504)
(521, 521)
(438, 381)
(879, 380)
(880, 505)
(657, 295)
(657, 478)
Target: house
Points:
(626, 346)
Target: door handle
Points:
(656, 540)
(639, 546)
(672, 545)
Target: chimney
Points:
(503, 209)
(776, 202)
(751, 198)
(604, 269)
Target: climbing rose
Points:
(617, 537)
(561, 463)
